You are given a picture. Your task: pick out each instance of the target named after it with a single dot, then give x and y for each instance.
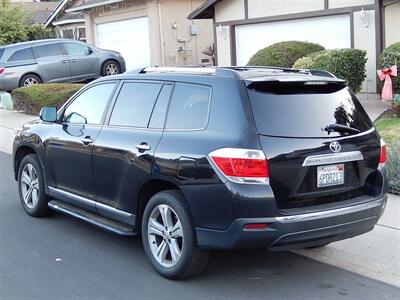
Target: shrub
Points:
(31, 99)
(38, 32)
(393, 168)
(283, 54)
(348, 64)
(389, 57)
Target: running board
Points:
(92, 218)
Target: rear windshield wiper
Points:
(340, 128)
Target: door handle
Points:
(87, 140)
(143, 147)
(64, 61)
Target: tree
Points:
(13, 27)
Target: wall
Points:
(223, 36)
(175, 43)
(392, 24)
(173, 34)
(267, 8)
(364, 38)
(229, 10)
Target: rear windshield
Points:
(306, 113)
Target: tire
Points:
(110, 67)
(29, 79)
(29, 172)
(191, 260)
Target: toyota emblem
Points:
(335, 147)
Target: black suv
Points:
(201, 158)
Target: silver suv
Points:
(55, 60)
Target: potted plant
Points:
(396, 104)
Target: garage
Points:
(330, 32)
(129, 37)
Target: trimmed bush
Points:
(348, 64)
(389, 57)
(31, 99)
(283, 54)
(393, 168)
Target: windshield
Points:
(307, 114)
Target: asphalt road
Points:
(63, 258)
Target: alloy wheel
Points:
(111, 69)
(30, 185)
(30, 81)
(165, 235)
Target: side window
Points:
(23, 54)
(47, 50)
(89, 107)
(75, 48)
(134, 104)
(160, 109)
(189, 107)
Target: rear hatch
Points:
(320, 143)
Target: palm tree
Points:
(210, 52)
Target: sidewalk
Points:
(373, 105)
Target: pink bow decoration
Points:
(385, 74)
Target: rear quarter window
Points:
(1, 54)
(189, 107)
(23, 54)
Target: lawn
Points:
(389, 129)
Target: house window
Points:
(67, 33)
(81, 34)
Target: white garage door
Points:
(129, 37)
(330, 32)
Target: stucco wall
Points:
(392, 24)
(364, 38)
(173, 34)
(267, 8)
(224, 46)
(348, 3)
(229, 10)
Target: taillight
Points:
(382, 154)
(241, 165)
(2, 70)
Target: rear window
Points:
(23, 54)
(307, 112)
(189, 107)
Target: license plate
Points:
(330, 175)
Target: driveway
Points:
(62, 258)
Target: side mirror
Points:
(48, 114)
(89, 51)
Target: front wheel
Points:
(31, 187)
(110, 68)
(169, 239)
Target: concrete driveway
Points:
(95, 264)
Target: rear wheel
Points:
(169, 239)
(29, 79)
(31, 187)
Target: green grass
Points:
(389, 129)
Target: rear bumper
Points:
(297, 231)
(9, 82)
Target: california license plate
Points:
(330, 175)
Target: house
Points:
(145, 32)
(242, 27)
(37, 12)
(67, 25)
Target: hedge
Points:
(348, 64)
(389, 57)
(283, 54)
(393, 168)
(31, 99)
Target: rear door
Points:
(53, 63)
(309, 165)
(124, 150)
(83, 62)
